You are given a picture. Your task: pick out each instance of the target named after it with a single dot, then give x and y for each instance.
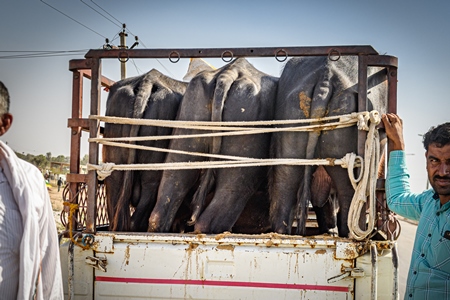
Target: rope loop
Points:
(103, 170)
(349, 162)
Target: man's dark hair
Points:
(439, 135)
(4, 99)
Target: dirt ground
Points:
(57, 204)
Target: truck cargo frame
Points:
(314, 250)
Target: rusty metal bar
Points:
(382, 61)
(94, 128)
(362, 98)
(105, 81)
(82, 124)
(77, 178)
(392, 94)
(280, 52)
(75, 140)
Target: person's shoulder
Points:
(33, 173)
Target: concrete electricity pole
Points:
(123, 66)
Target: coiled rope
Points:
(366, 187)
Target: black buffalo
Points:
(315, 87)
(149, 96)
(235, 92)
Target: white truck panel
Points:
(228, 266)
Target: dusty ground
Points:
(57, 204)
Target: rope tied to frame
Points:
(104, 170)
(364, 184)
(72, 208)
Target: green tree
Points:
(40, 161)
(85, 159)
(60, 158)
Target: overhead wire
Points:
(119, 25)
(73, 19)
(35, 54)
(109, 19)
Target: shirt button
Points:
(429, 235)
(410, 295)
(415, 272)
(438, 213)
(422, 254)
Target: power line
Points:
(108, 13)
(36, 54)
(120, 26)
(104, 10)
(74, 19)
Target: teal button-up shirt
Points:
(429, 271)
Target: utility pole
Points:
(123, 67)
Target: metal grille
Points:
(81, 198)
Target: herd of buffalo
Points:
(251, 199)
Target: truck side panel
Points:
(221, 270)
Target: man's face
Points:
(438, 168)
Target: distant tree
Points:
(20, 155)
(40, 161)
(49, 156)
(85, 159)
(60, 158)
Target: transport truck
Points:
(101, 264)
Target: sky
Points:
(41, 85)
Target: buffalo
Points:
(149, 96)
(235, 92)
(316, 87)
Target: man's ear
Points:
(6, 121)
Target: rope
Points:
(366, 186)
(222, 164)
(208, 125)
(72, 208)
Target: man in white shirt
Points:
(29, 250)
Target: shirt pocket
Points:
(441, 251)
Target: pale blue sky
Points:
(414, 31)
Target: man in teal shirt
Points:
(429, 272)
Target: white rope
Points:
(207, 125)
(250, 162)
(366, 187)
(105, 170)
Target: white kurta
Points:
(40, 270)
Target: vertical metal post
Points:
(392, 97)
(75, 140)
(374, 283)
(362, 135)
(362, 98)
(94, 130)
(395, 266)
